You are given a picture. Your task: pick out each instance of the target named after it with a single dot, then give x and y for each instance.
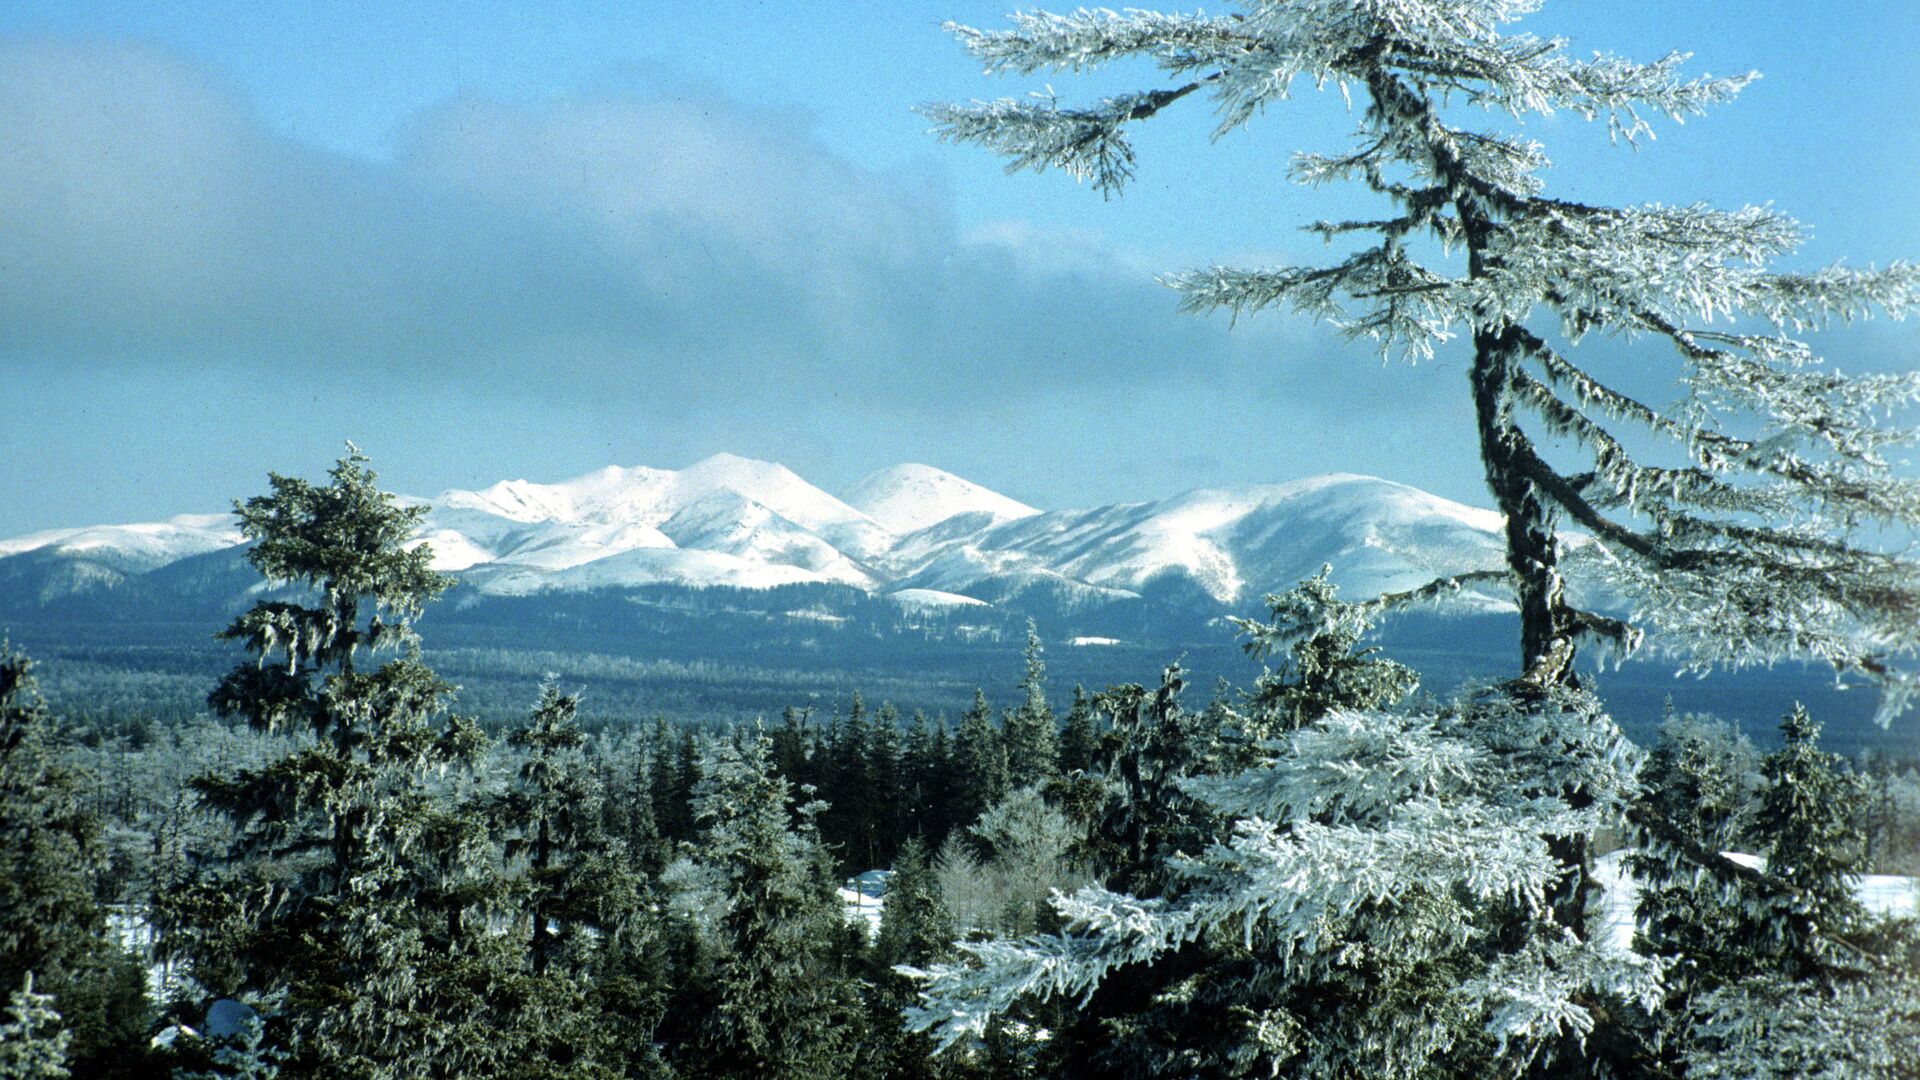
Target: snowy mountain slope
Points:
(913, 530)
(640, 566)
(908, 498)
(1236, 543)
(133, 548)
(732, 524)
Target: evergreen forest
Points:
(1326, 869)
(336, 873)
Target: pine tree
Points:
(1079, 737)
(33, 1042)
(923, 766)
(574, 877)
(1802, 982)
(781, 1004)
(1154, 745)
(1379, 905)
(52, 926)
(793, 745)
(675, 772)
(1703, 779)
(1806, 818)
(1028, 731)
(1326, 669)
(979, 762)
(1732, 524)
(1744, 551)
(341, 850)
(887, 784)
(915, 930)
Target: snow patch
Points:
(908, 498)
(932, 598)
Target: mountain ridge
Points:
(734, 522)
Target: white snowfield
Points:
(863, 898)
(925, 537)
(134, 548)
(908, 498)
(1880, 894)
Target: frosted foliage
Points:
(1361, 833)
(1772, 1028)
(1535, 992)
(33, 1043)
(1729, 520)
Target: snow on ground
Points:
(864, 896)
(1095, 641)
(908, 498)
(1880, 894)
(933, 599)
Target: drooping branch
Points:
(1086, 144)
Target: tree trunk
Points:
(542, 943)
(1546, 645)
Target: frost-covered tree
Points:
(1028, 730)
(1325, 668)
(915, 929)
(1703, 780)
(335, 890)
(1383, 904)
(1729, 519)
(1806, 818)
(1791, 976)
(780, 1003)
(53, 927)
(1739, 524)
(575, 876)
(33, 1041)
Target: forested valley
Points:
(337, 874)
(1330, 869)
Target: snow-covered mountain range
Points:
(912, 532)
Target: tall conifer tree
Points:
(53, 929)
(322, 899)
(1029, 732)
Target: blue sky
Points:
(530, 240)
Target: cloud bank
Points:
(586, 246)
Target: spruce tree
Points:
(1806, 818)
(915, 930)
(1703, 780)
(1378, 906)
(340, 845)
(52, 927)
(782, 1004)
(887, 780)
(34, 1044)
(1803, 982)
(1325, 669)
(923, 768)
(979, 762)
(1738, 525)
(549, 814)
(1028, 731)
(1079, 736)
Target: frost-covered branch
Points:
(1043, 41)
(1402, 305)
(1086, 144)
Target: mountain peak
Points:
(909, 497)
